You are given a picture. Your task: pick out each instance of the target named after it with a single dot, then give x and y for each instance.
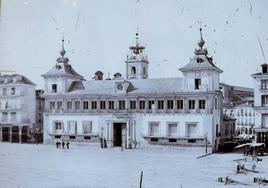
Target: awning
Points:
(249, 145)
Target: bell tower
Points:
(137, 62)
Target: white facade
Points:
(245, 118)
(261, 105)
(17, 106)
(136, 110)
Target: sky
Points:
(98, 34)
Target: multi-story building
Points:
(17, 107)
(135, 109)
(238, 103)
(39, 109)
(261, 105)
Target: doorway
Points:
(118, 133)
(15, 134)
(5, 134)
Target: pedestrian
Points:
(63, 144)
(67, 145)
(237, 166)
(57, 145)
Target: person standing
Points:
(67, 144)
(63, 144)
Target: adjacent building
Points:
(17, 108)
(261, 104)
(135, 109)
(238, 103)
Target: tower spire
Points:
(137, 37)
(62, 59)
(201, 42)
(62, 52)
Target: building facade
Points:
(136, 109)
(261, 105)
(17, 106)
(238, 103)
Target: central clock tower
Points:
(137, 62)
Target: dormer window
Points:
(199, 60)
(197, 83)
(54, 88)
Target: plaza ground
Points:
(89, 166)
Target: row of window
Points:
(172, 129)
(133, 104)
(5, 116)
(5, 91)
(71, 128)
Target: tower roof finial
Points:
(201, 42)
(62, 52)
(137, 37)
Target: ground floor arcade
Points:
(14, 133)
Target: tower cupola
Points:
(137, 62)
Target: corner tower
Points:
(137, 62)
(201, 74)
(62, 76)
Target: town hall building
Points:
(135, 109)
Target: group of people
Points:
(62, 144)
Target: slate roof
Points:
(62, 69)
(205, 65)
(15, 79)
(160, 85)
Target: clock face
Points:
(119, 86)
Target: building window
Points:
(13, 117)
(85, 105)
(191, 104)
(191, 130)
(179, 104)
(153, 128)
(4, 116)
(133, 70)
(144, 70)
(77, 105)
(132, 105)
(72, 127)
(87, 127)
(111, 105)
(4, 91)
(150, 104)
(58, 126)
(169, 104)
(122, 105)
(102, 105)
(264, 100)
(172, 129)
(13, 91)
(69, 105)
(94, 105)
(264, 84)
(142, 105)
(202, 104)
(52, 105)
(197, 83)
(54, 88)
(160, 104)
(216, 103)
(59, 105)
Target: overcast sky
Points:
(98, 34)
